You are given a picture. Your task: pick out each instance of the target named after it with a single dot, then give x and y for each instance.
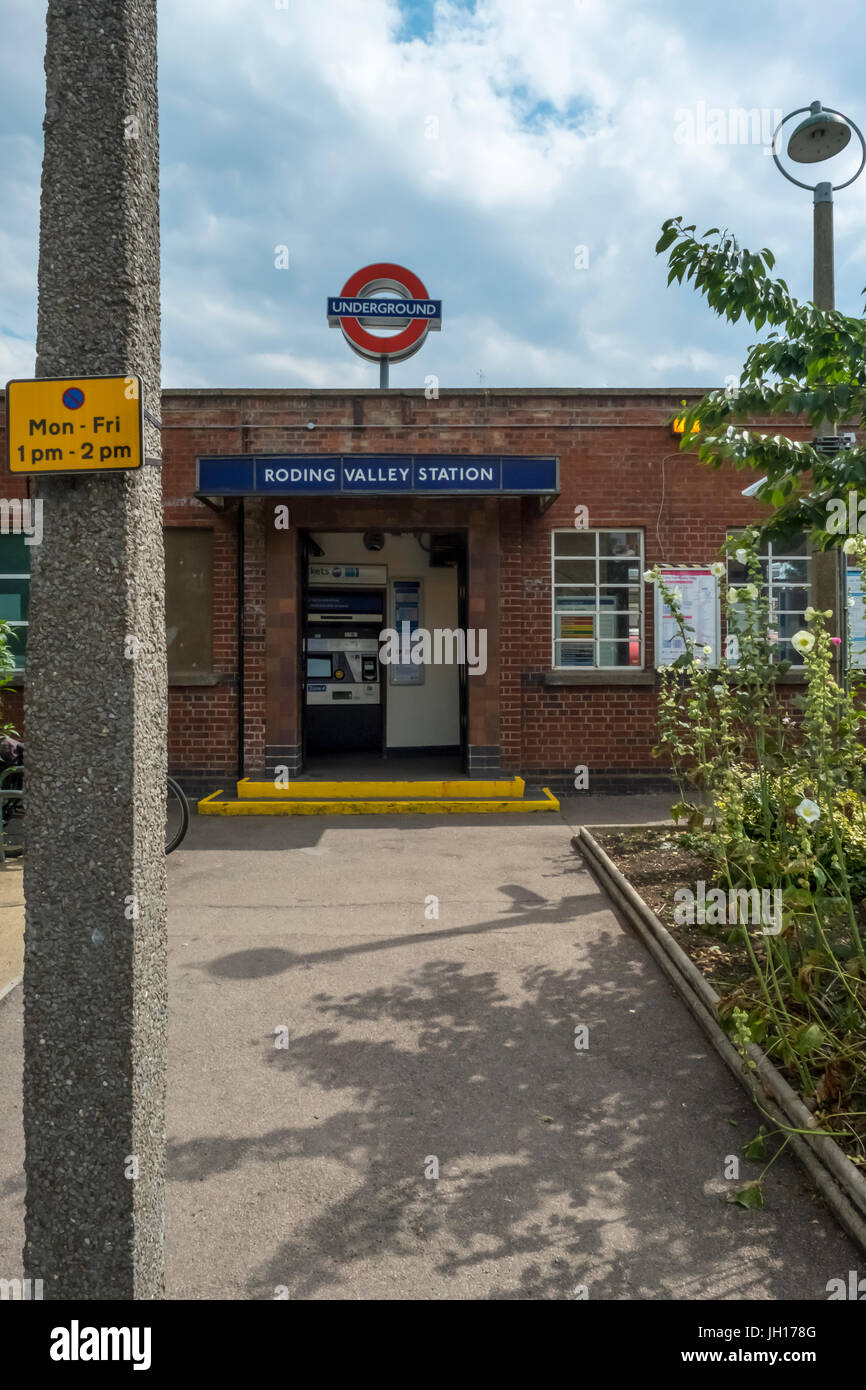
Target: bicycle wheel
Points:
(176, 815)
(13, 823)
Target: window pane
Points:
(737, 573)
(567, 599)
(624, 571)
(783, 651)
(789, 599)
(574, 542)
(795, 545)
(790, 571)
(188, 600)
(741, 574)
(621, 595)
(14, 555)
(575, 653)
(574, 571)
(14, 599)
(789, 623)
(619, 543)
(619, 653)
(575, 625)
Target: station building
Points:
(301, 523)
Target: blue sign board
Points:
(390, 311)
(407, 474)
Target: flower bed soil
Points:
(656, 864)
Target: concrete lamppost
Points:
(94, 874)
(823, 134)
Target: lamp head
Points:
(821, 135)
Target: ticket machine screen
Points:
(319, 668)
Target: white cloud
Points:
(555, 127)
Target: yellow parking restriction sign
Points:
(85, 424)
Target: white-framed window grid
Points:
(597, 599)
(787, 584)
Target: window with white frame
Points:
(786, 583)
(597, 599)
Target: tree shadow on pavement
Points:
(558, 1167)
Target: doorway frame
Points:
(303, 552)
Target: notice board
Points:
(697, 593)
(406, 607)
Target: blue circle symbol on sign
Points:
(73, 398)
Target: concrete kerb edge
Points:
(831, 1172)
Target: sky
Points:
(519, 156)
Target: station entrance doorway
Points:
(364, 700)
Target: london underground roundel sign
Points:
(360, 305)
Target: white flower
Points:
(850, 603)
(809, 614)
(803, 641)
(808, 811)
(733, 596)
(742, 557)
(718, 691)
(850, 545)
(717, 569)
(748, 591)
(708, 651)
(649, 576)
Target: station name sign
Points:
(410, 474)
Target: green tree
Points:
(812, 365)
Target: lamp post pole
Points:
(94, 874)
(823, 134)
(823, 290)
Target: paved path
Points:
(11, 922)
(412, 1038)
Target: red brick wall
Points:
(618, 459)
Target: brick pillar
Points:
(484, 599)
(254, 636)
(283, 748)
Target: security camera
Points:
(374, 540)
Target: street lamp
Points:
(823, 134)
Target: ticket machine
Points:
(343, 706)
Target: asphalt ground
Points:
(412, 1044)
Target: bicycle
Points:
(13, 836)
(177, 815)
